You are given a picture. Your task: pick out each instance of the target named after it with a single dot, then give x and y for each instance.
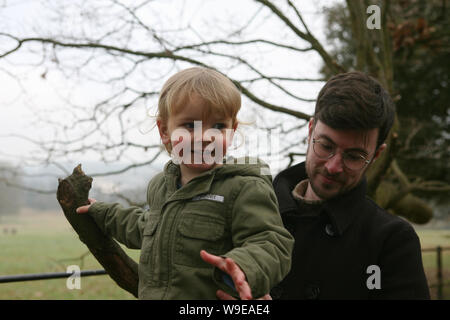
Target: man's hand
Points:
(84, 209)
(230, 267)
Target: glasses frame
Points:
(333, 153)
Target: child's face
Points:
(198, 142)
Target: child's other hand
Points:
(225, 296)
(84, 209)
(230, 267)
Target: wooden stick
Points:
(72, 193)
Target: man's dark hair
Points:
(354, 100)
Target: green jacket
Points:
(231, 211)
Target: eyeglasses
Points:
(352, 160)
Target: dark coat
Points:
(335, 247)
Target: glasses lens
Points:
(323, 150)
(354, 161)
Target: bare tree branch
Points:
(332, 64)
(135, 165)
(8, 183)
(240, 43)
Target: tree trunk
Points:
(72, 193)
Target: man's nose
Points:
(334, 165)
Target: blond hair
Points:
(218, 92)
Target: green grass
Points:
(45, 242)
(431, 239)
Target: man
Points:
(346, 246)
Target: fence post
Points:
(439, 272)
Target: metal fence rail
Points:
(440, 281)
(46, 276)
(440, 284)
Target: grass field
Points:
(430, 239)
(45, 242)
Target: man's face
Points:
(330, 177)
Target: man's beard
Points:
(313, 175)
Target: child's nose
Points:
(208, 136)
(205, 136)
(211, 134)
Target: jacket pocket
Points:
(148, 237)
(195, 233)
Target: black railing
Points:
(440, 281)
(439, 284)
(50, 275)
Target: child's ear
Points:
(163, 131)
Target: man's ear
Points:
(163, 131)
(379, 151)
(310, 127)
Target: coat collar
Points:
(341, 210)
(202, 183)
(190, 190)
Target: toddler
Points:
(212, 224)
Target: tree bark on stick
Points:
(72, 193)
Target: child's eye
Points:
(188, 125)
(219, 126)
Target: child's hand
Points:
(225, 296)
(232, 269)
(84, 209)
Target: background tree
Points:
(126, 49)
(420, 48)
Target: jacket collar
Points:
(190, 190)
(341, 210)
(202, 183)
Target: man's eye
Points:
(354, 157)
(327, 147)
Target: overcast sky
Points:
(18, 109)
